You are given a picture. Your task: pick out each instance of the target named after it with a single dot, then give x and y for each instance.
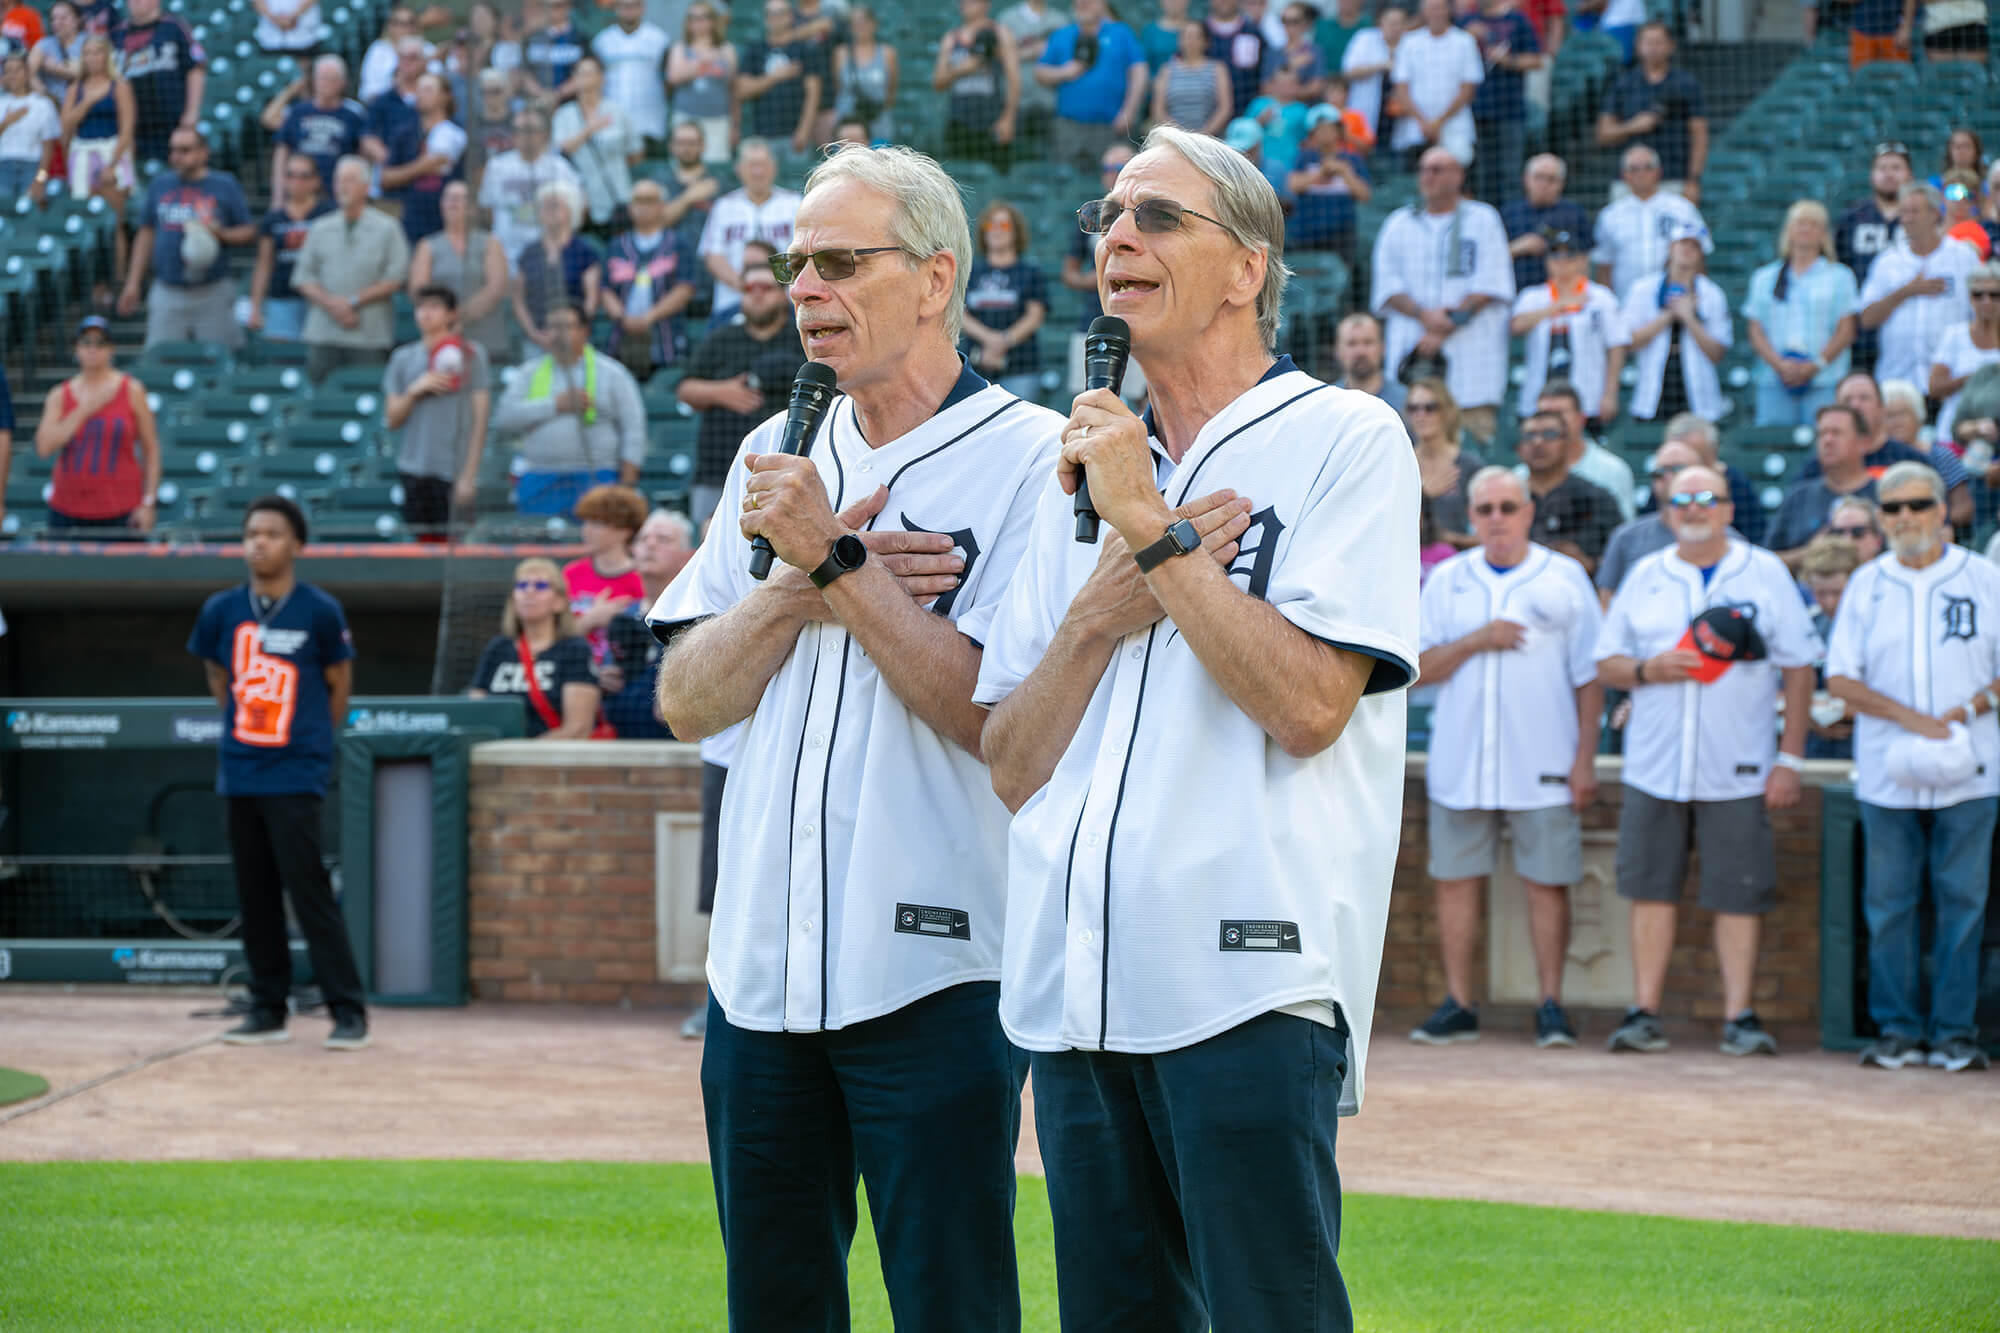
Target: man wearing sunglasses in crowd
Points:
(1572, 515)
(1841, 449)
(1916, 655)
(1199, 721)
(860, 901)
(1702, 751)
(738, 375)
(1637, 538)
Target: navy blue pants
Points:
(924, 1105)
(1197, 1187)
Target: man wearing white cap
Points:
(1914, 655)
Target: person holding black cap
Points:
(1705, 634)
(1574, 330)
(280, 662)
(99, 429)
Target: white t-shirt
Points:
(1912, 332)
(1367, 49)
(735, 221)
(601, 161)
(1504, 726)
(1959, 357)
(23, 140)
(1704, 386)
(1930, 640)
(1180, 873)
(1632, 235)
(1624, 13)
(1436, 66)
(1414, 256)
(308, 32)
(507, 191)
(863, 856)
(1590, 334)
(635, 74)
(1688, 741)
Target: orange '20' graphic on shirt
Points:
(266, 690)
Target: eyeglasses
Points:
(1414, 406)
(1694, 499)
(1852, 534)
(833, 265)
(1985, 294)
(1152, 215)
(1496, 507)
(1891, 148)
(1923, 506)
(532, 585)
(1546, 436)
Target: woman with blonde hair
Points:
(540, 658)
(100, 117)
(1800, 320)
(1431, 415)
(701, 82)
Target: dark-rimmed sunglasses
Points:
(1152, 216)
(1492, 507)
(1985, 293)
(1889, 146)
(1852, 534)
(1414, 406)
(1701, 499)
(832, 265)
(1923, 506)
(532, 585)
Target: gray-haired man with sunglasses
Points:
(860, 899)
(1199, 722)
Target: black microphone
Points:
(1106, 349)
(812, 394)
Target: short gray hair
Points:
(930, 215)
(1638, 152)
(571, 196)
(1494, 472)
(330, 61)
(1907, 395)
(1908, 472)
(754, 145)
(1698, 431)
(353, 162)
(1921, 190)
(676, 520)
(1246, 206)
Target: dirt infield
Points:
(1808, 1138)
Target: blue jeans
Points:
(924, 1104)
(1957, 844)
(284, 319)
(1197, 1186)
(1779, 406)
(557, 492)
(16, 175)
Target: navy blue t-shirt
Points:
(1521, 217)
(1678, 99)
(289, 237)
(775, 114)
(551, 55)
(6, 402)
(997, 298)
(564, 662)
(278, 729)
(1084, 246)
(1864, 233)
(1503, 95)
(324, 136)
(156, 57)
(171, 203)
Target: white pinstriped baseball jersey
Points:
(1929, 639)
(863, 855)
(1504, 728)
(1180, 873)
(1415, 256)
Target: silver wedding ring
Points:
(1083, 434)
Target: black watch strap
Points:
(848, 554)
(1179, 539)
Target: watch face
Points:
(850, 552)
(1184, 535)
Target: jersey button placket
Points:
(804, 983)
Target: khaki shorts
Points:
(1739, 862)
(1548, 843)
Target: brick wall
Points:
(564, 904)
(1786, 992)
(562, 869)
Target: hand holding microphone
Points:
(812, 394)
(1107, 347)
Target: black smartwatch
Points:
(846, 556)
(1180, 538)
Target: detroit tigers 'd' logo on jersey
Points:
(968, 546)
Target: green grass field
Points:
(498, 1245)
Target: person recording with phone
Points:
(1176, 707)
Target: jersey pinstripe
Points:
(844, 812)
(1172, 819)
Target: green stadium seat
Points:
(286, 383)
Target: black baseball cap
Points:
(1723, 636)
(1561, 242)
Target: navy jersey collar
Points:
(969, 382)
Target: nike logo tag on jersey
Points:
(1555, 779)
(1748, 770)
(946, 923)
(1275, 936)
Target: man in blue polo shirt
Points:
(280, 663)
(1098, 70)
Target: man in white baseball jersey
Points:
(1915, 654)
(860, 901)
(1916, 289)
(1443, 283)
(1437, 73)
(759, 211)
(1634, 234)
(1575, 330)
(1509, 635)
(1701, 634)
(1199, 720)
